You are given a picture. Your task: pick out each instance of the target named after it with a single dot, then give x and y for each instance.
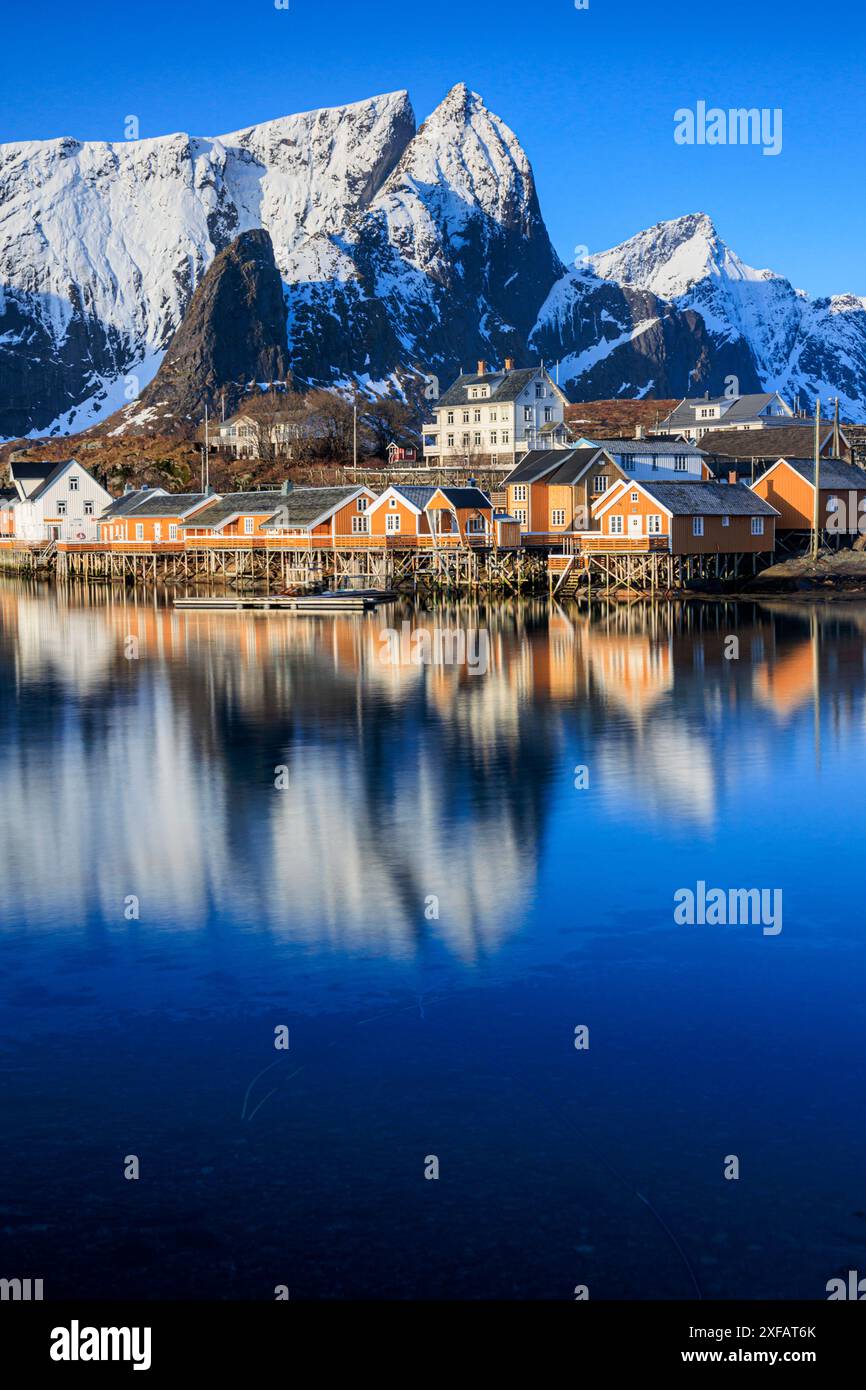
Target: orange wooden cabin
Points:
(789, 486)
(694, 518)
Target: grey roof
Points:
(539, 462)
(648, 446)
(418, 496)
(504, 386)
(834, 473)
(464, 497)
(795, 438)
(223, 508)
(709, 499)
(746, 407)
(304, 505)
(129, 501)
(25, 470)
(169, 504)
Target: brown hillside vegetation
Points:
(616, 419)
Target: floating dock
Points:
(342, 601)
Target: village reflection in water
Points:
(141, 748)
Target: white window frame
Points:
(361, 525)
(249, 525)
(172, 531)
(599, 484)
(614, 526)
(726, 521)
(74, 483)
(654, 524)
(139, 530)
(362, 504)
(519, 492)
(697, 525)
(757, 526)
(392, 523)
(557, 516)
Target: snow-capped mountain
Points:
(797, 345)
(397, 248)
(101, 245)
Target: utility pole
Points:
(206, 453)
(837, 443)
(816, 515)
(355, 435)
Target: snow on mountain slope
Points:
(449, 261)
(101, 245)
(796, 344)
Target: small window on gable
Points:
(363, 503)
(73, 484)
(392, 501)
(634, 496)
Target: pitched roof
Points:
(304, 505)
(128, 501)
(796, 439)
(834, 473)
(708, 499)
(222, 509)
(535, 464)
(27, 469)
(418, 496)
(463, 498)
(743, 408)
(57, 472)
(648, 446)
(504, 386)
(168, 504)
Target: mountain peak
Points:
(670, 257)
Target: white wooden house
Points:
(55, 501)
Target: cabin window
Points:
(520, 513)
(172, 532)
(392, 522)
(599, 483)
(726, 521)
(681, 463)
(73, 484)
(634, 496)
(697, 525)
(654, 524)
(249, 525)
(139, 530)
(362, 503)
(61, 508)
(361, 524)
(519, 492)
(157, 530)
(392, 501)
(475, 523)
(557, 516)
(615, 526)
(757, 526)
(88, 509)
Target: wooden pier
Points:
(647, 573)
(276, 567)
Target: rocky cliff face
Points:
(233, 333)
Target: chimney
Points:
(482, 367)
(509, 364)
(733, 478)
(473, 482)
(638, 432)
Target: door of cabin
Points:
(634, 525)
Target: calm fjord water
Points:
(415, 1035)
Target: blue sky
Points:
(591, 94)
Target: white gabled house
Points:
(491, 418)
(55, 501)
